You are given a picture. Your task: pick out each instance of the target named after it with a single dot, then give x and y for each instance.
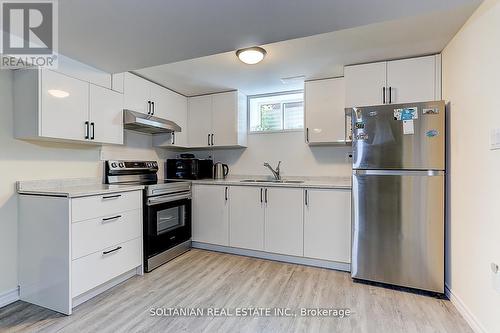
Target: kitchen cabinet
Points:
(217, 120)
(327, 224)
(176, 105)
(136, 93)
(72, 249)
(52, 106)
(106, 115)
(210, 214)
(284, 221)
(325, 112)
(390, 82)
(247, 217)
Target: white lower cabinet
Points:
(327, 224)
(284, 223)
(211, 214)
(247, 217)
(71, 249)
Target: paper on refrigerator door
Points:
(408, 127)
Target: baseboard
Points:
(339, 266)
(464, 311)
(9, 297)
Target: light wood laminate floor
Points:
(210, 279)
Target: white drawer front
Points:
(93, 235)
(97, 268)
(104, 205)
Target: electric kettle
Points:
(220, 170)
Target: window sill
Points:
(275, 132)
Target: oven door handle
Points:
(167, 198)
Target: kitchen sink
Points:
(271, 181)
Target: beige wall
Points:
(21, 160)
(471, 83)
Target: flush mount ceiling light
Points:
(251, 55)
(58, 93)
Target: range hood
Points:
(145, 123)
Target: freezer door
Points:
(398, 228)
(384, 137)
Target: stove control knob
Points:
(121, 165)
(155, 164)
(113, 165)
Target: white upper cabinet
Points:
(136, 93)
(325, 111)
(217, 120)
(64, 106)
(390, 82)
(106, 115)
(327, 225)
(211, 214)
(412, 80)
(246, 217)
(284, 228)
(200, 121)
(365, 84)
(51, 105)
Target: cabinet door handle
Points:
(149, 107)
(225, 193)
(173, 138)
(208, 143)
(87, 130)
(111, 197)
(92, 136)
(265, 195)
(307, 134)
(153, 108)
(106, 219)
(383, 95)
(390, 95)
(306, 199)
(212, 139)
(261, 200)
(111, 251)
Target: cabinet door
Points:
(106, 115)
(162, 104)
(200, 120)
(176, 111)
(365, 84)
(64, 106)
(325, 111)
(136, 93)
(224, 119)
(327, 225)
(412, 80)
(284, 221)
(210, 214)
(246, 217)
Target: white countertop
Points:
(72, 188)
(307, 182)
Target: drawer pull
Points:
(111, 251)
(106, 219)
(111, 197)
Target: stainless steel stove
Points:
(166, 209)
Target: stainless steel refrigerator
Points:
(398, 193)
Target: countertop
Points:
(72, 188)
(307, 182)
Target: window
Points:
(276, 112)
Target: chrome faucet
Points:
(276, 173)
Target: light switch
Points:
(495, 138)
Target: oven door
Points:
(167, 222)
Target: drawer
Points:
(93, 235)
(104, 205)
(95, 269)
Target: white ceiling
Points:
(121, 35)
(318, 56)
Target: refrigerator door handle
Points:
(399, 172)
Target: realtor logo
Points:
(29, 35)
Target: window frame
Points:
(280, 93)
